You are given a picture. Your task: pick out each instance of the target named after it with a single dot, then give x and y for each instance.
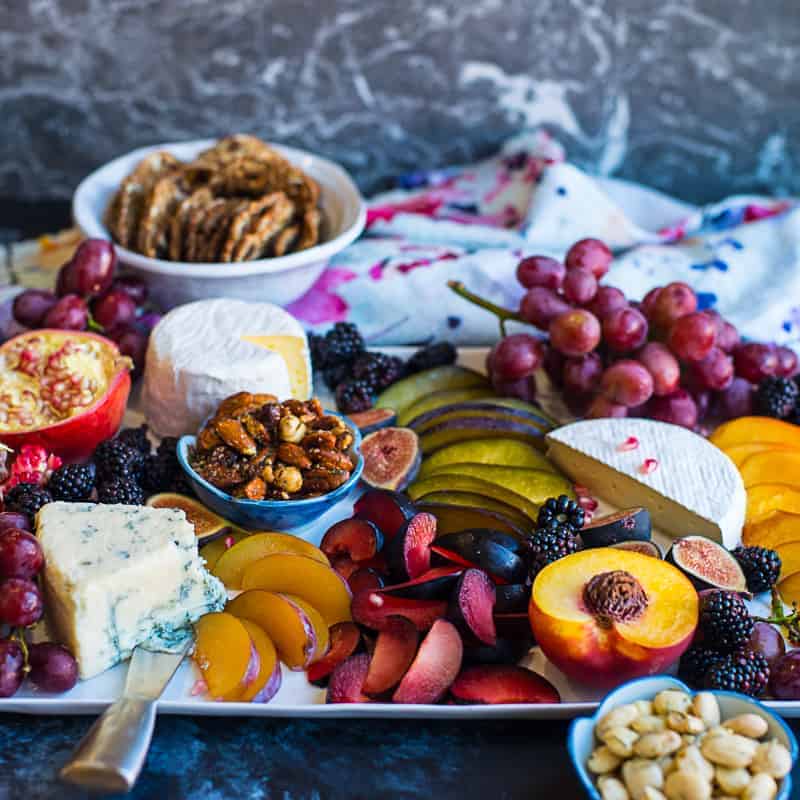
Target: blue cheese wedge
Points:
(117, 577)
(686, 483)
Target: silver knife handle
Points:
(111, 755)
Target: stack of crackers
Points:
(238, 201)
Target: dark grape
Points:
(64, 281)
(787, 362)
(523, 389)
(662, 366)
(649, 302)
(20, 554)
(69, 314)
(591, 254)
(580, 286)
(607, 300)
(15, 519)
(715, 371)
(541, 306)
(148, 321)
(677, 408)
(553, 364)
(755, 361)
(133, 286)
(12, 667)
(702, 400)
(541, 271)
(736, 401)
(575, 332)
(53, 667)
(784, 677)
(114, 309)
(91, 269)
(766, 639)
(31, 306)
(132, 343)
(625, 329)
(601, 407)
(516, 356)
(675, 300)
(691, 336)
(727, 337)
(20, 602)
(582, 375)
(627, 383)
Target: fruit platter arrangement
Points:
(610, 493)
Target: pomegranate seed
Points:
(199, 687)
(631, 443)
(228, 542)
(588, 503)
(649, 465)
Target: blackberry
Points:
(115, 459)
(353, 396)
(27, 498)
(318, 347)
(560, 511)
(72, 482)
(725, 623)
(695, 664)
(336, 374)
(182, 485)
(344, 342)
(120, 490)
(157, 475)
(761, 567)
(744, 671)
(438, 354)
(378, 370)
(136, 438)
(776, 397)
(550, 544)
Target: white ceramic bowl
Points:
(277, 280)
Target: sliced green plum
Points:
(460, 429)
(477, 502)
(407, 391)
(504, 452)
(487, 409)
(454, 518)
(439, 399)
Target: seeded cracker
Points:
(160, 205)
(177, 241)
(274, 217)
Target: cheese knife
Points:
(111, 755)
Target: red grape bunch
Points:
(90, 295)
(661, 358)
(50, 667)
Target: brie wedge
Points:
(687, 484)
(117, 577)
(203, 352)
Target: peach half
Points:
(605, 616)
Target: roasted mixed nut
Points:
(259, 449)
(675, 747)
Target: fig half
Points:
(207, 525)
(707, 564)
(639, 546)
(391, 458)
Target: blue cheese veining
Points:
(117, 577)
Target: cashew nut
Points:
(603, 760)
(687, 786)
(644, 707)
(729, 750)
(620, 741)
(773, 759)
(653, 794)
(690, 759)
(685, 723)
(706, 707)
(752, 725)
(612, 788)
(639, 773)
(732, 781)
(762, 787)
(671, 700)
(619, 717)
(649, 723)
(655, 745)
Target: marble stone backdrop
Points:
(696, 97)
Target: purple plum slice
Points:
(493, 684)
(394, 651)
(409, 553)
(472, 605)
(512, 598)
(388, 510)
(505, 651)
(373, 609)
(365, 578)
(358, 539)
(347, 681)
(435, 584)
(345, 638)
(500, 555)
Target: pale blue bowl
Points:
(581, 743)
(283, 515)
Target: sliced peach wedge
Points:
(746, 430)
(212, 552)
(772, 466)
(765, 499)
(268, 680)
(739, 453)
(606, 616)
(226, 655)
(776, 530)
(789, 589)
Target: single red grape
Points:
(784, 677)
(601, 407)
(31, 306)
(516, 356)
(628, 383)
(662, 366)
(591, 254)
(625, 329)
(523, 388)
(691, 336)
(132, 343)
(787, 362)
(91, 269)
(607, 300)
(20, 554)
(69, 314)
(766, 639)
(755, 361)
(728, 338)
(715, 371)
(541, 271)
(65, 280)
(702, 400)
(113, 309)
(649, 302)
(20, 602)
(677, 408)
(53, 667)
(541, 306)
(582, 375)
(12, 667)
(553, 364)
(575, 332)
(580, 286)
(735, 401)
(133, 286)
(15, 519)
(675, 300)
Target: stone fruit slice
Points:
(504, 452)
(606, 616)
(232, 563)
(746, 430)
(213, 551)
(512, 598)
(409, 553)
(435, 584)
(310, 580)
(776, 530)
(268, 680)
(440, 399)
(505, 651)
(451, 519)
(478, 408)
(347, 681)
(345, 638)
(772, 466)
(358, 539)
(502, 684)
(207, 525)
(373, 610)
(391, 458)
(790, 558)
(627, 525)
(388, 510)
(739, 453)
(225, 654)
(765, 499)
(707, 564)
(474, 502)
(407, 391)
(435, 667)
(365, 579)
(476, 426)
(395, 649)
(503, 557)
(472, 605)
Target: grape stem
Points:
(19, 635)
(502, 314)
(789, 622)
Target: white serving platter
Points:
(297, 697)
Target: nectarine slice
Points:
(789, 589)
(224, 652)
(738, 453)
(765, 499)
(606, 616)
(745, 430)
(774, 531)
(772, 466)
(212, 552)
(310, 580)
(231, 564)
(268, 681)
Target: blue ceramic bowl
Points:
(581, 742)
(283, 515)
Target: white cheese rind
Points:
(117, 576)
(695, 487)
(197, 357)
